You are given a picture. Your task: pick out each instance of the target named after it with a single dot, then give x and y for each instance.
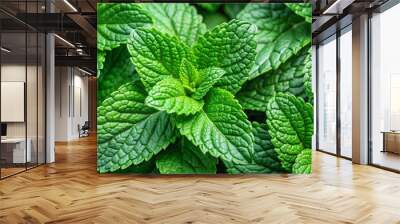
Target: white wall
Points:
(71, 102)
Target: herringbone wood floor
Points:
(70, 191)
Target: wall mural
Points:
(204, 88)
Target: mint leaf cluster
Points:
(175, 97)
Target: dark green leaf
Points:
(302, 9)
(129, 132)
(289, 78)
(180, 20)
(281, 34)
(290, 124)
(185, 158)
(115, 22)
(221, 128)
(229, 46)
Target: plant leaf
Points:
(118, 70)
(129, 132)
(156, 55)
(301, 9)
(101, 58)
(180, 20)
(209, 76)
(281, 34)
(115, 22)
(265, 158)
(189, 75)
(289, 78)
(290, 124)
(185, 158)
(233, 9)
(169, 95)
(210, 7)
(221, 128)
(230, 46)
(303, 163)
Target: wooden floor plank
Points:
(71, 191)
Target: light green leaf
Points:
(180, 20)
(289, 78)
(185, 158)
(302, 9)
(303, 163)
(208, 77)
(189, 75)
(118, 70)
(221, 128)
(230, 46)
(115, 22)
(265, 158)
(129, 132)
(290, 124)
(281, 34)
(101, 58)
(308, 87)
(156, 55)
(169, 95)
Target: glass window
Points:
(327, 95)
(385, 89)
(346, 92)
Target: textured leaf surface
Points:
(281, 34)
(303, 163)
(180, 20)
(308, 87)
(230, 46)
(189, 75)
(156, 55)
(144, 167)
(265, 158)
(185, 158)
(289, 78)
(129, 132)
(301, 9)
(221, 128)
(115, 22)
(118, 70)
(169, 95)
(290, 124)
(208, 77)
(101, 58)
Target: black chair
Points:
(84, 130)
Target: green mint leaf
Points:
(129, 132)
(180, 20)
(118, 70)
(303, 163)
(230, 46)
(210, 7)
(185, 158)
(115, 22)
(290, 124)
(169, 95)
(265, 158)
(208, 77)
(189, 75)
(308, 87)
(221, 128)
(301, 9)
(156, 55)
(101, 58)
(142, 168)
(233, 9)
(281, 34)
(288, 78)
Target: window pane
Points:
(385, 84)
(327, 96)
(346, 93)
